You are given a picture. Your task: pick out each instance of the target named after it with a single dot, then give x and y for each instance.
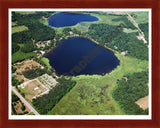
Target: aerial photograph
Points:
(79, 62)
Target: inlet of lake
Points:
(63, 19)
(80, 56)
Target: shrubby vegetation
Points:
(46, 102)
(129, 91)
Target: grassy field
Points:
(46, 62)
(21, 55)
(92, 95)
(19, 29)
(142, 17)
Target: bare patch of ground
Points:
(143, 102)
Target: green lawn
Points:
(92, 94)
(19, 55)
(19, 29)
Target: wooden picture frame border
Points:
(6, 4)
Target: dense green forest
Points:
(127, 92)
(15, 98)
(15, 47)
(123, 41)
(46, 102)
(33, 73)
(145, 29)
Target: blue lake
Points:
(64, 19)
(77, 56)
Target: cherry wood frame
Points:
(6, 4)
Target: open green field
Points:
(19, 29)
(94, 93)
(18, 56)
(129, 30)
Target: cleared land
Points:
(32, 89)
(94, 93)
(27, 65)
(143, 102)
(19, 29)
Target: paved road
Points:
(25, 102)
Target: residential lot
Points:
(32, 89)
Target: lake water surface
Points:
(63, 19)
(77, 56)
